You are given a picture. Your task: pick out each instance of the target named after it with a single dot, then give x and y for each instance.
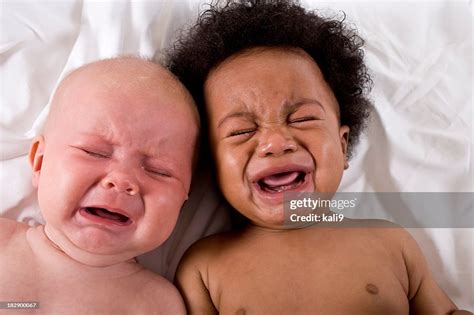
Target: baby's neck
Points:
(47, 251)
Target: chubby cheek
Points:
(61, 186)
(230, 167)
(329, 166)
(160, 218)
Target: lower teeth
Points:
(277, 189)
(280, 189)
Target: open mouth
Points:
(108, 216)
(281, 182)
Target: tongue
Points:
(110, 215)
(280, 179)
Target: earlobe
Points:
(344, 138)
(35, 158)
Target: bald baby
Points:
(112, 168)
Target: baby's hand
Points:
(461, 312)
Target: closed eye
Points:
(242, 132)
(303, 119)
(156, 172)
(95, 153)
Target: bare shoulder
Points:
(389, 230)
(192, 278)
(206, 250)
(9, 230)
(395, 239)
(384, 231)
(158, 295)
(196, 258)
(424, 294)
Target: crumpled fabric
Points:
(418, 140)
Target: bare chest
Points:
(297, 293)
(308, 281)
(59, 292)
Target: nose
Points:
(121, 182)
(276, 142)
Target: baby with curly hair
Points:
(280, 90)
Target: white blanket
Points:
(420, 138)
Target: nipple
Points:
(241, 311)
(372, 288)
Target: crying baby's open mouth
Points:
(281, 182)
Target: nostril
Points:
(290, 146)
(131, 191)
(120, 185)
(109, 184)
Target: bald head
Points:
(129, 75)
(121, 134)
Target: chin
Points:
(95, 241)
(90, 251)
(268, 216)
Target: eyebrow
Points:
(241, 114)
(147, 154)
(289, 107)
(96, 136)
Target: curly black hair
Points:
(225, 29)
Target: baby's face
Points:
(274, 128)
(115, 163)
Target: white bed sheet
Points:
(420, 138)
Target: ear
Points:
(35, 158)
(344, 138)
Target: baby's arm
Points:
(424, 294)
(150, 293)
(192, 281)
(163, 298)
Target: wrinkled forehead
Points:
(260, 69)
